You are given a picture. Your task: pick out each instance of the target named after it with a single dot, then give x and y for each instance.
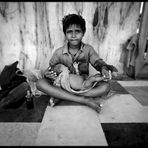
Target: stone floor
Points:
(123, 121)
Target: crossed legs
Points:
(86, 98)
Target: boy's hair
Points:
(71, 19)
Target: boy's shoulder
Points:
(60, 49)
(87, 46)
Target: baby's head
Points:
(59, 68)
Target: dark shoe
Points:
(6, 102)
(15, 97)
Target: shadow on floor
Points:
(22, 114)
(140, 93)
(115, 86)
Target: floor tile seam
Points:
(131, 122)
(23, 123)
(133, 83)
(135, 87)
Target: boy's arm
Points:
(99, 64)
(49, 73)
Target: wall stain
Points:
(22, 43)
(110, 4)
(59, 11)
(95, 19)
(79, 7)
(21, 7)
(1, 49)
(125, 11)
(24, 14)
(100, 21)
(3, 10)
(36, 33)
(48, 30)
(105, 21)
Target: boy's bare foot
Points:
(54, 101)
(93, 104)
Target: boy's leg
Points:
(54, 91)
(57, 92)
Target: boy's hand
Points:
(50, 74)
(106, 74)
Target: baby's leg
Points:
(102, 88)
(90, 81)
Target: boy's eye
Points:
(69, 31)
(78, 31)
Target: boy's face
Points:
(74, 35)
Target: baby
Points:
(73, 82)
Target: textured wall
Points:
(31, 31)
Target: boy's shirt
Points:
(79, 63)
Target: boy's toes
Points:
(95, 106)
(99, 108)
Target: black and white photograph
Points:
(74, 73)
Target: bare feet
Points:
(54, 101)
(94, 104)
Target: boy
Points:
(76, 55)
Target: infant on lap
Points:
(74, 83)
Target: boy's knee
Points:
(39, 84)
(105, 87)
